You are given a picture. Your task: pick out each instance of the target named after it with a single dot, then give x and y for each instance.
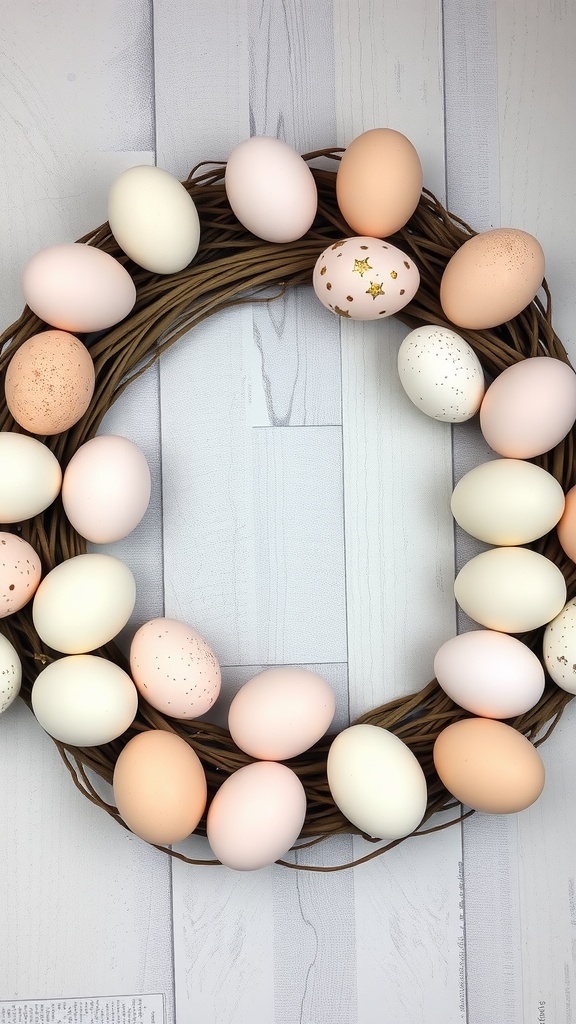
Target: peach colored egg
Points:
(529, 408)
(20, 572)
(256, 816)
(159, 787)
(174, 668)
(49, 382)
(365, 278)
(491, 278)
(378, 183)
(77, 287)
(281, 712)
(106, 488)
(566, 528)
(489, 766)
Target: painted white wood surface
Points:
(299, 507)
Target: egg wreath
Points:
(231, 267)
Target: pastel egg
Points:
(489, 766)
(559, 647)
(106, 488)
(10, 673)
(159, 787)
(441, 374)
(84, 700)
(83, 603)
(20, 572)
(376, 781)
(511, 589)
(491, 674)
(30, 474)
(280, 713)
(529, 408)
(491, 278)
(507, 502)
(271, 189)
(49, 382)
(256, 816)
(365, 278)
(77, 287)
(174, 668)
(379, 182)
(153, 218)
(566, 528)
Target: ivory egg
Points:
(30, 475)
(511, 589)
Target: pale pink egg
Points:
(365, 278)
(174, 668)
(256, 816)
(20, 572)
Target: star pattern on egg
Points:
(375, 289)
(361, 267)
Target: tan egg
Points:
(49, 382)
(491, 278)
(489, 766)
(379, 182)
(159, 787)
(566, 528)
(20, 572)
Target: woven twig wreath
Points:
(231, 267)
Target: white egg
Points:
(271, 189)
(377, 782)
(83, 603)
(365, 278)
(559, 647)
(30, 475)
(84, 700)
(154, 219)
(441, 374)
(511, 589)
(10, 673)
(507, 502)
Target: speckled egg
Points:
(441, 374)
(559, 647)
(365, 278)
(20, 572)
(174, 668)
(49, 382)
(10, 673)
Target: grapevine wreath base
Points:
(232, 267)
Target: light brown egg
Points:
(379, 182)
(49, 382)
(491, 278)
(566, 528)
(489, 766)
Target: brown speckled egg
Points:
(20, 572)
(174, 668)
(49, 382)
(491, 278)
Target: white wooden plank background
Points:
(299, 508)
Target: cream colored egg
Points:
(376, 781)
(30, 475)
(83, 603)
(84, 700)
(512, 589)
(507, 502)
(10, 673)
(365, 278)
(154, 219)
(559, 647)
(441, 374)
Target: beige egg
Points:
(49, 382)
(491, 278)
(20, 572)
(512, 589)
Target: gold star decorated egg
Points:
(365, 278)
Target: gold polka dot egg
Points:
(365, 278)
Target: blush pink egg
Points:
(174, 668)
(529, 408)
(20, 572)
(256, 816)
(280, 713)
